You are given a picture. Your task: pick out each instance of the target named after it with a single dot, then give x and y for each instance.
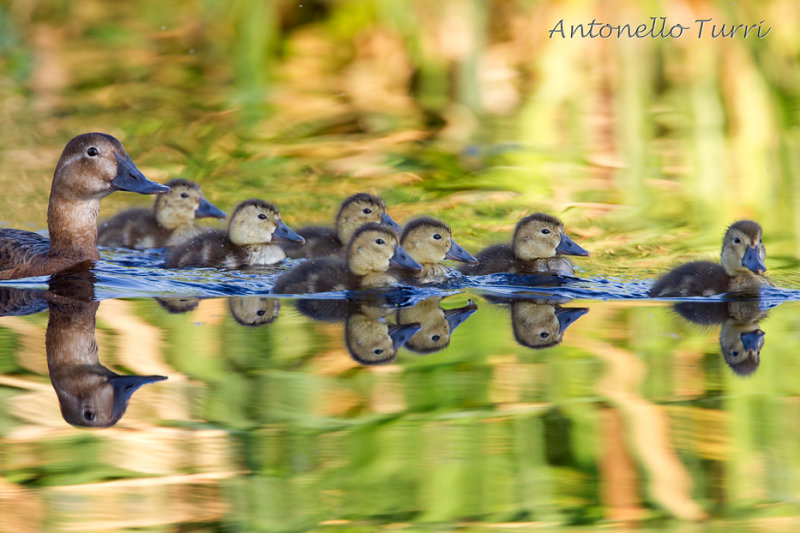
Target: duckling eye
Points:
(88, 415)
(435, 338)
(92, 151)
(545, 231)
(737, 240)
(377, 351)
(184, 195)
(380, 241)
(261, 312)
(367, 211)
(437, 237)
(262, 216)
(734, 353)
(544, 334)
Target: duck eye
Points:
(734, 353)
(737, 240)
(261, 312)
(437, 236)
(377, 351)
(88, 415)
(184, 195)
(367, 211)
(544, 334)
(380, 241)
(92, 151)
(545, 231)
(436, 338)
(262, 216)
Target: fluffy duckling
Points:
(372, 249)
(540, 324)
(249, 240)
(437, 323)
(168, 223)
(538, 247)
(742, 267)
(429, 241)
(371, 340)
(254, 311)
(354, 212)
(91, 167)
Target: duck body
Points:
(170, 222)
(371, 251)
(354, 212)
(741, 268)
(91, 167)
(248, 242)
(501, 258)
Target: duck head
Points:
(742, 249)
(373, 341)
(182, 204)
(358, 210)
(437, 323)
(741, 344)
(254, 311)
(94, 165)
(374, 248)
(430, 241)
(542, 325)
(258, 222)
(539, 236)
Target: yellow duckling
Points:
(538, 247)
(437, 323)
(249, 240)
(169, 223)
(91, 167)
(429, 241)
(355, 211)
(372, 249)
(742, 267)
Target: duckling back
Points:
(210, 249)
(317, 275)
(133, 228)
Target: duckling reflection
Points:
(89, 394)
(437, 323)
(254, 311)
(179, 304)
(540, 323)
(371, 339)
(740, 337)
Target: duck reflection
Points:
(177, 305)
(740, 338)
(254, 311)
(371, 339)
(541, 324)
(89, 394)
(437, 323)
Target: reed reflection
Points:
(89, 394)
(741, 339)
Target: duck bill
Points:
(567, 317)
(401, 333)
(125, 386)
(403, 260)
(568, 247)
(753, 340)
(457, 253)
(389, 221)
(284, 232)
(456, 317)
(752, 260)
(129, 178)
(208, 210)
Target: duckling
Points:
(538, 247)
(91, 167)
(429, 241)
(371, 340)
(539, 324)
(372, 249)
(355, 211)
(254, 311)
(437, 323)
(170, 222)
(177, 305)
(249, 241)
(742, 267)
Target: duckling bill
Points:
(168, 223)
(538, 246)
(741, 269)
(91, 167)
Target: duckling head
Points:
(741, 345)
(373, 341)
(360, 209)
(182, 204)
(429, 241)
(254, 311)
(742, 249)
(437, 324)
(373, 248)
(541, 325)
(539, 236)
(94, 165)
(258, 222)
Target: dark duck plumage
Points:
(91, 167)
